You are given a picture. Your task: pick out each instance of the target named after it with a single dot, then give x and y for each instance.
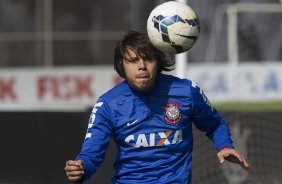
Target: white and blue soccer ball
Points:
(173, 27)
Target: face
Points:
(140, 73)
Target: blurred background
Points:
(56, 58)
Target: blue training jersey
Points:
(153, 131)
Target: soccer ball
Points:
(173, 27)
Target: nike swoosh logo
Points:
(190, 37)
(129, 124)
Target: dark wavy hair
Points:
(139, 43)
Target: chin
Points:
(145, 87)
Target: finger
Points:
(244, 164)
(77, 163)
(75, 173)
(74, 178)
(72, 163)
(220, 157)
(238, 156)
(80, 163)
(73, 168)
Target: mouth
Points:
(143, 76)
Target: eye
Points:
(132, 60)
(149, 59)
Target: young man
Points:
(150, 116)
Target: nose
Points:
(142, 65)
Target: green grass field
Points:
(249, 107)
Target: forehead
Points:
(130, 53)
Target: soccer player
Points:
(150, 117)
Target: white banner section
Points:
(74, 88)
(248, 82)
(77, 88)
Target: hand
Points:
(74, 170)
(233, 156)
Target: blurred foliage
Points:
(249, 107)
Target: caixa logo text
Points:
(154, 139)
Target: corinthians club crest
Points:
(172, 113)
